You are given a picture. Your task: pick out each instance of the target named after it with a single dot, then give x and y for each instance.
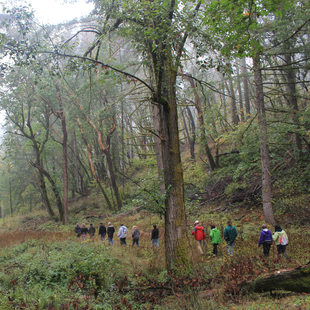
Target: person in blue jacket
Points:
(265, 240)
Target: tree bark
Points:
(176, 242)
(265, 159)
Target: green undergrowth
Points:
(71, 274)
(40, 275)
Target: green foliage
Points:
(40, 274)
(233, 187)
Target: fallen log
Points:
(294, 280)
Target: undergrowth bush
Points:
(37, 275)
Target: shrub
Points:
(41, 274)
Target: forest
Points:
(158, 112)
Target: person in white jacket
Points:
(281, 241)
(122, 234)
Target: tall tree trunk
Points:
(190, 131)
(113, 178)
(92, 167)
(64, 156)
(54, 189)
(233, 105)
(246, 89)
(203, 136)
(292, 98)
(176, 242)
(157, 141)
(10, 196)
(240, 94)
(43, 189)
(265, 159)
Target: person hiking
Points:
(230, 234)
(77, 230)
(200, 235)
(91, 231)
(102, 231)
(155, 236)
(135, 236)
(84, 231)
(265, 240)
(110, 233)
(281, 241)
(122, 234)
(216, 239)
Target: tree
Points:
(242, 28)
(159, 31)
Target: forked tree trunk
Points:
(265, 159)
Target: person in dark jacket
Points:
(265, 240)
(77, 230)
(91, 231)
(135, 236)
(102, 231)
(110, 233)
(155, 236)
(230, 234)
(84, 231)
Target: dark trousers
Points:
(282, 250)
(266, 248)
(135, 241)
(215, 248)
(123, 241)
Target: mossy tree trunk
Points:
(296, 280)
(176, 242)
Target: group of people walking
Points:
(103, 231)
(279, 238)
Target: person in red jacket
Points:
(200, 235)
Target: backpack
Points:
(283, 240)
(125, 232)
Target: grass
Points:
(140, 272)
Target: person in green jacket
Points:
(230, 234)
(281, 241)
(216, 239)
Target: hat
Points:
(196, 222)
